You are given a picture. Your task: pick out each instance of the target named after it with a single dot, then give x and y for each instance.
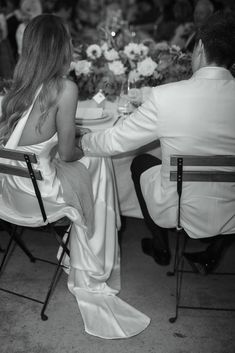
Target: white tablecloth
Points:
(128, 202)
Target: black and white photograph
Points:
(117, 176)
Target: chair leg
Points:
(179, 279)
(2, 227)
(178, 270)
(172, 273)
(58, 238)
(6, 254)
(55, 276)
(17, 238)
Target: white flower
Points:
(162, 46)
(117, 67)
(94, 51)
(81, 67)
(111, 55)
(175, 48)
(132, 50)
(146, 67)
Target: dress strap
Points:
(19, 128)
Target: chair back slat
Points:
(18, 171)
(26, 172)
(179, 175)
(17, 155)
(212, 161)
(205, 176)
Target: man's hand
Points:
(79, 143)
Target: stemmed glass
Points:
(134, 94)
(124, 105)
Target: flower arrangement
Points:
(105, 67)
(98, 68)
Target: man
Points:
(194, 117)
(202, 11)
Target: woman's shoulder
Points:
(69, 90)
(69, 85)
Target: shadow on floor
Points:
(144, 285)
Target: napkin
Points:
(89, 113)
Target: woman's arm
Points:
(65, 123)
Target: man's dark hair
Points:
(218, 37)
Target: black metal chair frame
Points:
(179, 176)
(15, 231)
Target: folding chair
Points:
(15, 229)
(179, 175)
(2, 228)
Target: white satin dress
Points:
(94, 264)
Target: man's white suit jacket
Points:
(195, 117)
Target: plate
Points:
(90, 113)
(86, 122)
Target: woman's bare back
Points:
(31, 135)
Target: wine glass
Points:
(134, 93)
(124, 105)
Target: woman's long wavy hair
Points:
(45, 59)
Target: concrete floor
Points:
(144, 285)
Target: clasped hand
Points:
(80, 131)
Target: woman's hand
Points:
(80, 131)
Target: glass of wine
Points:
(124, 105)
(134, 94)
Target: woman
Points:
(39, 116)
